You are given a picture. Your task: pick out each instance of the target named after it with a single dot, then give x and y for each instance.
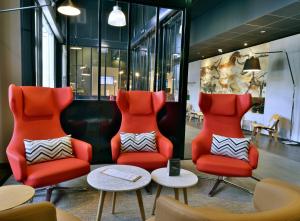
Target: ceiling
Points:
(200, 7)
(278, 24)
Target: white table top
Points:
(14, 195)
(100, 181)
(184, 180)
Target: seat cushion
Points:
(223, 166)
(56, 171)
(146, 160)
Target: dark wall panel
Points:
(96, 122)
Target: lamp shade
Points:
(252, 64)
(117, 17)
(68, 8)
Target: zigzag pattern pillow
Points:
(38, 151)
(232, 147)
(143, 142)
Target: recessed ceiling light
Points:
(245, 44)
(262, 31)
(220, 50)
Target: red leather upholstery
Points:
(36, 113)
(222, 116)
(139, 110)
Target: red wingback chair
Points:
(36, 112)
(222, 116)
(139, 110)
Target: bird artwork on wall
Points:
(224, 74)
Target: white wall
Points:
(194, 83)
(279, 87)
(10, 67)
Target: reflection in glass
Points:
(143, 47)
(84, 72)
(113, 72)
(171, 56)
(154, 46)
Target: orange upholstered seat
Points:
(148, 161)
(222, 116)
(139, 110)
(36, 113)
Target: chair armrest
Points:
(115, 147)
(198, 147)
(82, 149)
(165, 146)
(34, 212)
(253, 156)
(17, 163)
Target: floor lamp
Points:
(253, 64)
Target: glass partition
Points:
(146, 51)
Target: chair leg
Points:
(237, 186)
(276, 136)
(224, 180)
(50, 189)
(217, 183)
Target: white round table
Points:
(105, 183)
(183, 181)
(15, 195)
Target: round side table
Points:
(105, 183)
(183, 181)
(15, 195)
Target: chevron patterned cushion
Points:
(232, 147)
(38, 151)
(144, 142)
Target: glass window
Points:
(148, 71)
(170, 57)
(113, 72)
(143, 47)
(48, 55)
(84, 72)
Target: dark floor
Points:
(268, 144)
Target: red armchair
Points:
(139, 110)
(36, 112)
(222, 116)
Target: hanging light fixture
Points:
(116, 17)
(252, 64)
(68, 8)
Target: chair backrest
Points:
(273, 200)
(222, 114)
(274, 121)
(36, 112)
(189, 107)
(139, 110)
(34, 212)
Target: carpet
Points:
(84, 204)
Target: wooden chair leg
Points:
(114, 202)
(176, 192)
(276, 136)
